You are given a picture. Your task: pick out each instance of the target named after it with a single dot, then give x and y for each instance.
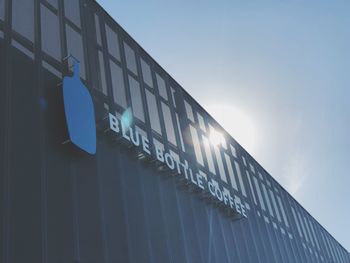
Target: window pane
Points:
(220, 164)
(146, 73)
(201, 122)
(267, 199)
(23, 18)
(98, 30)
(282, 209)
(136, 99)
(275, 205)
(162, 87)
(153, 111)
(102, 73)
(208, 154)
(130, 58)
(240, 179)
(2, 10)
(251, 188)
(189, 111)
(112, 42)
(180, 132)
(118, 85)
(262, 204)
(297, 222)
(230, 171)
(233, 150)
(50, 33)
(75, 48)
(168, 121)
(196, 145)
(173, 94)
(72, 11)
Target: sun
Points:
(236, 122)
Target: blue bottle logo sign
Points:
(79, 111)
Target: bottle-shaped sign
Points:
(79, 111)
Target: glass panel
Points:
(297, 222)
(180, 132)
(72, 11)
(23, 18)
(98, 30)
(153, 111)
(240, 179)
(118, 85)
(112, 43)
(52, 2)
(196, 145)
(314, 234)
(50, 33)
(75, 48)
(130, 58)
(230, 171)
(282, 209)
(2, 10)
(269, 207)
(208, 154)
(275, 205)
(252, 168)
(220, 164)
(168, 121)
(201, 122)
(233, 151)
(136, 99)
(262, 204)
(308, 231)
(251, 188)
(189, 111)
(173, 92)
(303, 227)
(102, 73)
(162, 87)
(146, 73)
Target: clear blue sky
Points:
(279, 68)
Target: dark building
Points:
(166, 184)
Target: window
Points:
(102, 73)
(251, 187)
(208, 154)
(153, 111)
(308, 231)
(118, 85)
(98, 30)
(130, 58)
(303, 227)
(267, 200)
(72, 11)
(220, 164)
(162, 87)
(233, 151)
(173, 96)
(169, 126)
(112, 43)
(136, 99)
(75, 48)
(50, 33)
(230, 171)
(201, 122)
(189, 111)
(252, 168)
(275, 205)
(240, 179)
(283, 212)
(146, 73)
(23, 18)
(297, 222)
(196, 145)
(262, 204)
(180, 132)
(244, 161)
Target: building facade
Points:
(166, 184)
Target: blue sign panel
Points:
(80, 114)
